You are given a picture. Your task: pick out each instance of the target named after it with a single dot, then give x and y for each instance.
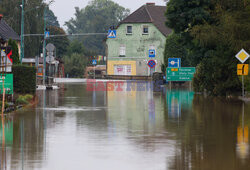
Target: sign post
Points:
(180, 74)
(94, 62)
(242, 69)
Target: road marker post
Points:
(242, 69)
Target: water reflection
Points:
(178, 100)
(242, 137)
(208, 136)
(73, 128)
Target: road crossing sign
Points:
(242, 69)
(94, 62)
(112, 34)
(46, 34)
(174, 62)
(242, 56)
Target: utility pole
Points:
(44, 46)
(22, 33)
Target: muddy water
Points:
(76, 128)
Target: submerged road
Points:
(127, 128)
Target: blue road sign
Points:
(94, 62)
(151, 63)
(46, 34)
(174, 62)
(151, 53)
(112, 34)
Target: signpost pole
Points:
(243, 95)
(94, 71)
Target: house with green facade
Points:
(138, 34)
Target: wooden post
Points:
(3, 99)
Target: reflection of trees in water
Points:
(208, 136)
(33, 139)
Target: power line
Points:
(64, 35)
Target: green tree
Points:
(231, 32)
(61, 42)
(15, 54)
(175, 48)
(75, 65)
(76, 46)
(51, 19)
(33, 21)
(97, 17)
(182, 15)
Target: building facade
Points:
(141, 32)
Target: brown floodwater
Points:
(78, 128)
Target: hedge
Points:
(24, 79)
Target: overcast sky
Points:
(65, 9)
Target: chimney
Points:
(150, 4)
(1, 16)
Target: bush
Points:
(24, 79)
(23, 100)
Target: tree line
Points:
(208, 34)
(96, 17)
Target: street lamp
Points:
(22, 31)
(22, 24)
(22, 28)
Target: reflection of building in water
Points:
(6, 141)
(136, 109)
(176, 100)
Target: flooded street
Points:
(76, 128)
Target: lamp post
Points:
(22, 29)
(22, 32)
(44, 46)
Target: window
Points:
(129, 29)
(145, 29)
(122, 50)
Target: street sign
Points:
(174, 62)
(151, 53)
(112, 34)
(46, 34)
(94, 62)
(8, 83)
(180, 74)
(242, 56)
(151, 63)
(242, 69)
(6, 54)
(50, 47)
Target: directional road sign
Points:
(112, 34)
(242, 56)
(242, 69)
(151, 53)
(94, 62)
(8, 83)
(180, 74)
(174, 62)
(151, 63)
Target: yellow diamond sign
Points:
(242, 56)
